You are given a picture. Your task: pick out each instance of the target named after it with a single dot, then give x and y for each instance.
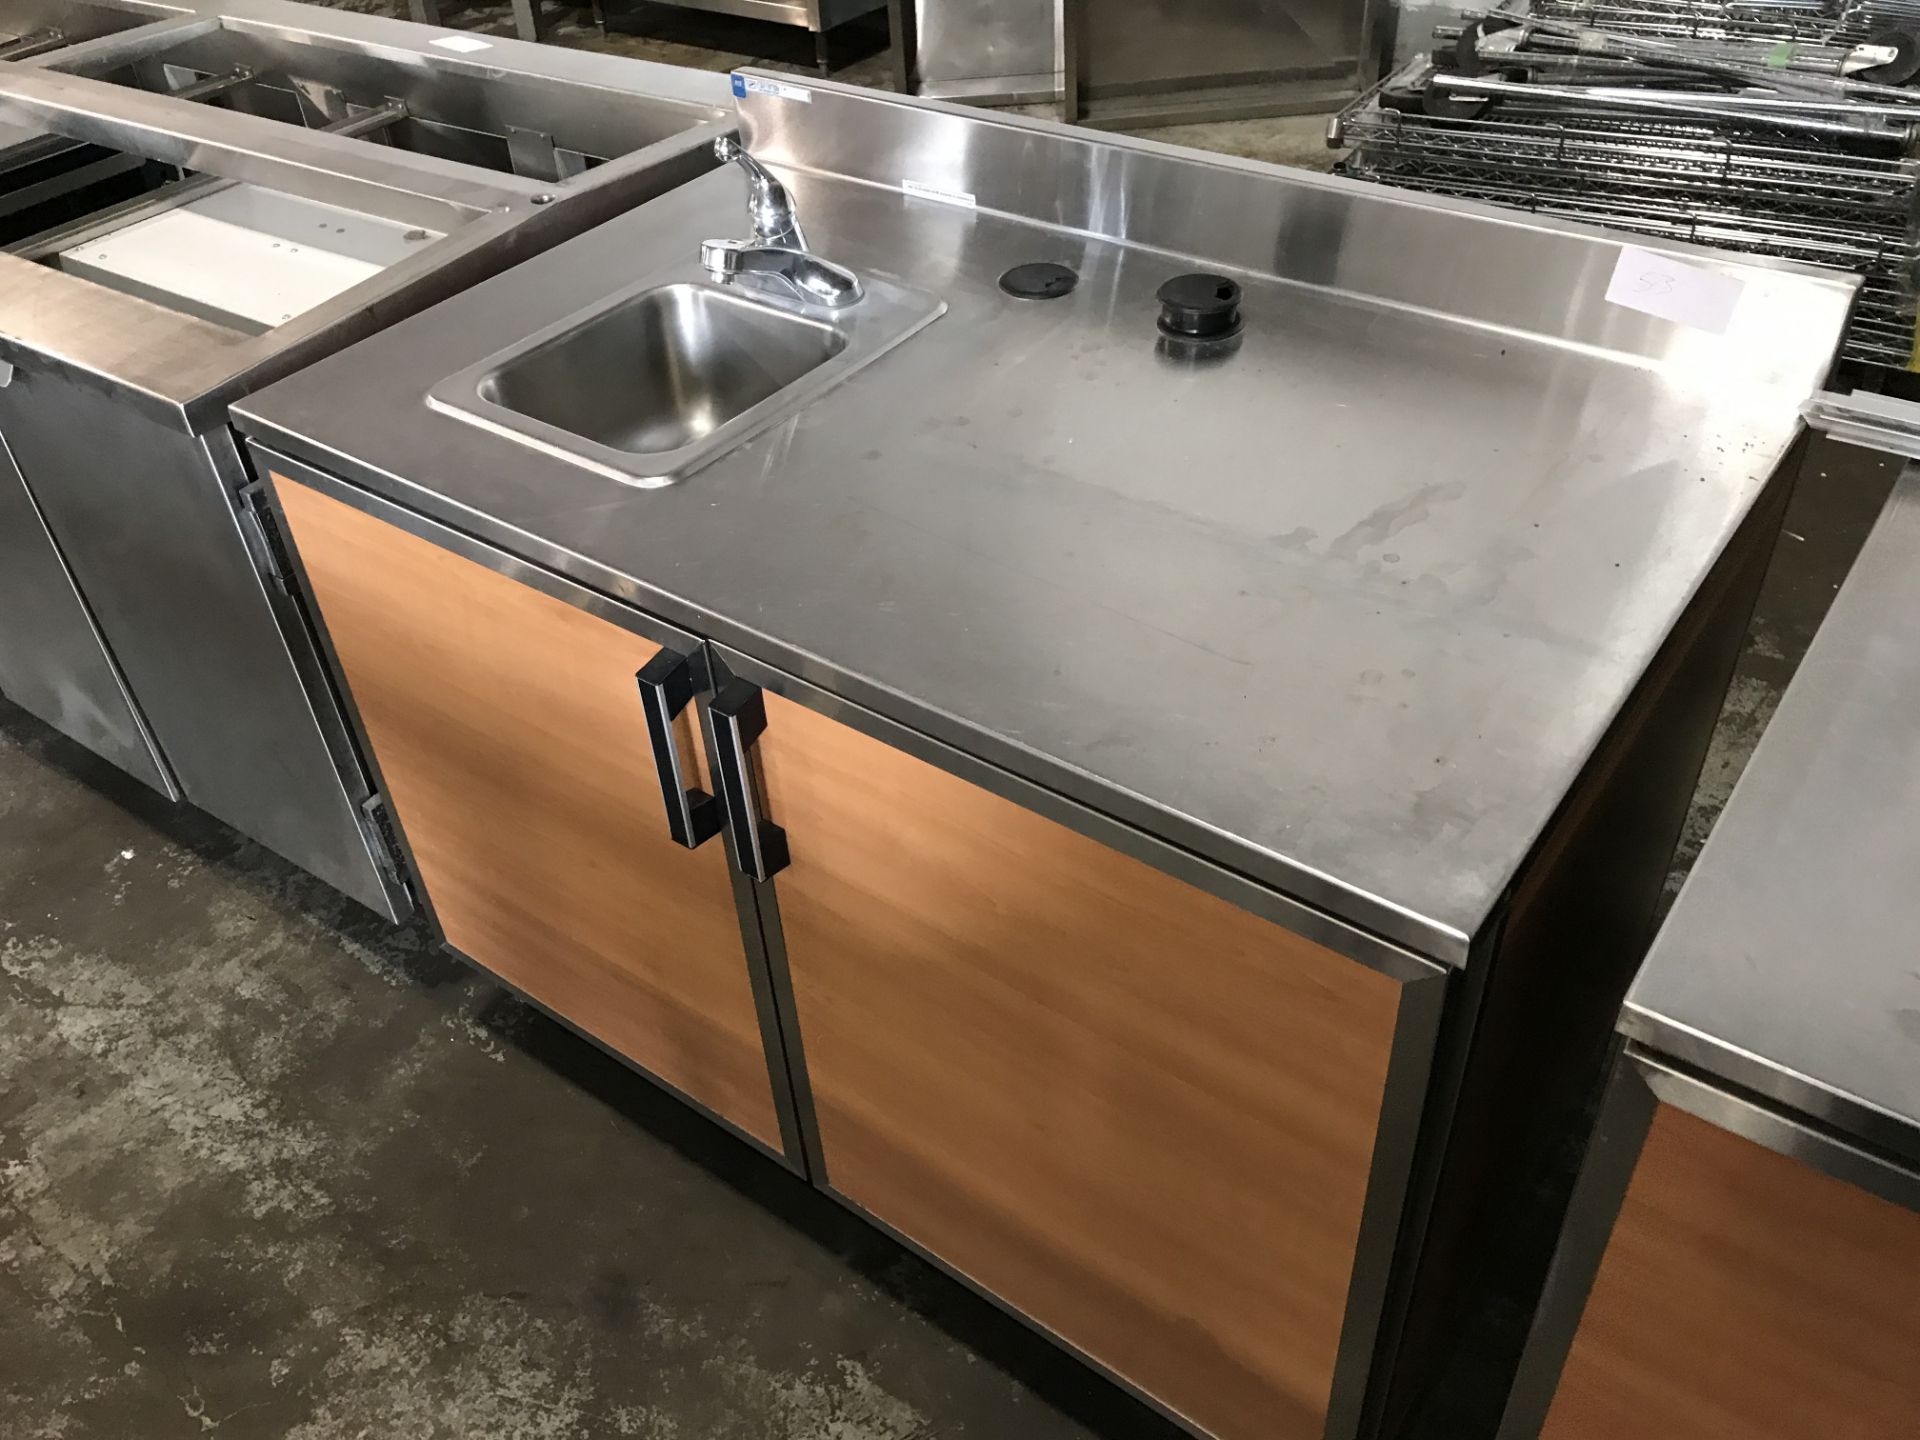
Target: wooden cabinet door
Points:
(510, 736)
(1138, 1114)
(1745, 1295)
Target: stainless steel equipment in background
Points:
(819, 17)
(1140, 62)
(348, 173)
(34, 27)
(1773, 130)
(38, 171)
(1004, 52)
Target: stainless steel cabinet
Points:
(149, 520)
(1134, 62)
(272, 229)
(999, 50)
(1170, 61)
(53, 661)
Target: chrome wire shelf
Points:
(1847, 201)
(1814, 24)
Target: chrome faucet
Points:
(778, 249)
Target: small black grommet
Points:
(1039, 280)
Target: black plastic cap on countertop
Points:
(1200, 307)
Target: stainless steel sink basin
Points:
(663, 369)
(667, 375)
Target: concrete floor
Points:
(270, 1169)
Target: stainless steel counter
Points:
(1789, 965)
(1347, 610)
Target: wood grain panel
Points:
(509, 732)
(1746, 1296)
(1138, 1114)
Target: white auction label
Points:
(745, 85)
(461, 44)
(1670, 289)
(931, 192)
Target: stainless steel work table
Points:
(1779, 1005)
(1400, 611)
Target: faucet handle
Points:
(774, 222)
(761, 178)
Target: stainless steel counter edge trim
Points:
(1209, 850)
(1795, 1136)
(1250, 895)
(791, 1110)
(1770, 1080)
(1373, 951)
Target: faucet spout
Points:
(816, 280)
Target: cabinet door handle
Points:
(666, 687)
(739, 716)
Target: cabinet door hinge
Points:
(268, 545)
(384, 841)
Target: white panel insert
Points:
(245, 256)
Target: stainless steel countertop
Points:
(1791, 962)
(1347, 611)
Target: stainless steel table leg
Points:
(1069, 36)
(527, 21)
(902, 26)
